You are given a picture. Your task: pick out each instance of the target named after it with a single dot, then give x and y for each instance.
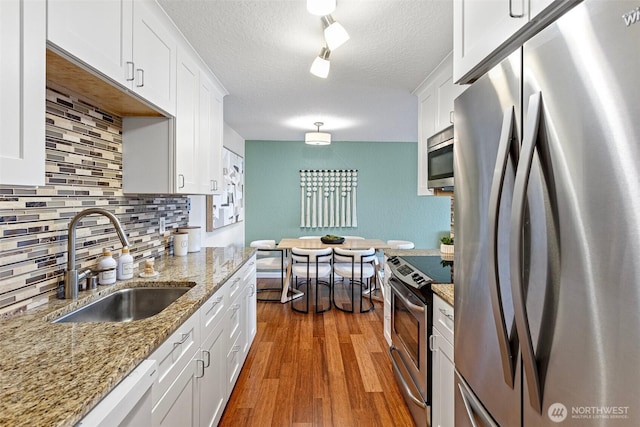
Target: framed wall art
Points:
(227, 207)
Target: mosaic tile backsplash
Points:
(83, 169)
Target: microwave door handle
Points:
(515, 251)
(508, 146)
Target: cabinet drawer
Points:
(174, 354)
(235, 286)
(234, 320)
(443, 317)
(212, 312)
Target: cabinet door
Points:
(179, 405)
(427, 111)
(97, 32)
(210, 141)
(175, 354)
(387, 303)
(217, 131)
(250, 320)
(480, 27)
(443, 372)
(22, 91)
(212, 387)
(186, 125)
(154, 56)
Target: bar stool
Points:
(270, 261)
(308, 266)
(356, 268)
(400, 244)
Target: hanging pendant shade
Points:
(317, 138)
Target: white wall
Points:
(231, 234)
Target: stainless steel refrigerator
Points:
(547, 228)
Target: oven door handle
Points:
(408, 303)
(420, 402)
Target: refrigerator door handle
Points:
(507, 147)
(515, 250)
(473, 408)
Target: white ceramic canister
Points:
(180, 243)
(194, 237)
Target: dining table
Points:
(290, 293)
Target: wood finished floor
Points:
(329, 369)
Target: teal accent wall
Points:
(388, 204)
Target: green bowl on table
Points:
(330, 239)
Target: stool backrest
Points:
(400, 244)
(354, 255)
(311, 255)
(263, 244)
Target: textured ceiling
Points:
(262, 50)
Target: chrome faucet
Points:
(72, 276)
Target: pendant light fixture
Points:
(321, 7)
(334, 34)
(317, 138)
(320, 66)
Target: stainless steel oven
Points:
(411, 324)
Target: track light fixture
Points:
(321, 7)
(317, 138)
(320, 66)
(334, 34)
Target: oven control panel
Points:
(410, 275)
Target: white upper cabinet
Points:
(154, 55)
(104, 44)
(187, 125)
(131, 43)
(435, 113)
(486, 31)
(22, 92)
(211, 127)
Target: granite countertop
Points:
(443, 290)
(53, 374)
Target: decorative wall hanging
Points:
(228, 207)
(328, 198)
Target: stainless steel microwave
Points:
(440, 159)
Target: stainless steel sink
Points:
(126, 305)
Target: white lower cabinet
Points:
(250, 309)
(199, 364)
(177, 407)
(443, 370)
(129, 403)
(387, 302)
(212, 390)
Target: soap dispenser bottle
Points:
(125, 265)
(107, 266)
